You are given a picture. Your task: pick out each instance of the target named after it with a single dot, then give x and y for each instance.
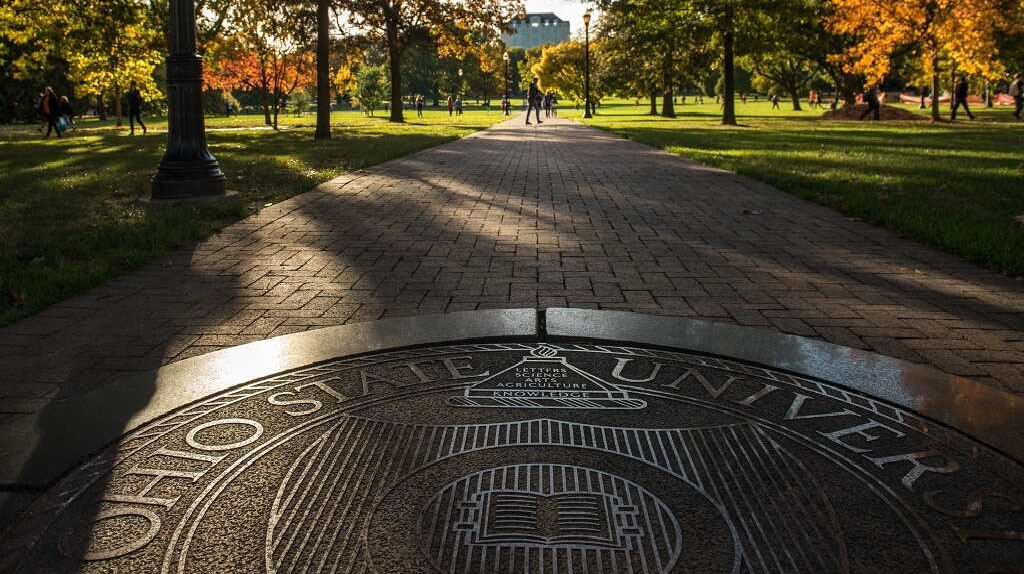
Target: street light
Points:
(188, 169)
(586, 65)
(506, 104)
(506, 58)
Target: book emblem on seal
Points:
(543, 379)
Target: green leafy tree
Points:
(371, 88)
(103, 46)
(783, 72)
(663, 42)
(455, 27)
(560, 69)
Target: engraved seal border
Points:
(952, 438)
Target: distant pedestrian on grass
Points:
(49, 108)
(506, 105)
(1017, 93)
(960, 98)
(458, 105)
(874, 106)
(533, 101)
(419, 105)
(547, 105)
(554, 105)
(775, 101)
(451, 105)
(135, 109)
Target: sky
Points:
(571, 10)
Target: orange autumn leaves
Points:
(964, 31)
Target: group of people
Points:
(59, 116)
(961, 92)
(537, 100)
(454, 105)
(56, 112)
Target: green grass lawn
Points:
(70, 210)
(956, 186)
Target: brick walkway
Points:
(555, 215)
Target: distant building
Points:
(537, 29)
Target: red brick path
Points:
(555, 215)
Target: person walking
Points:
(66, 114)
(960, 98)
(533, 102)
(506, 106)
(775, 101)
(458, 105)
(554, 105)
(547, 105)
(135, 108)
(451, 106)
(1017, 93)
(49, 107)
(419, 105)
(874, 108)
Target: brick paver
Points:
(552, 215)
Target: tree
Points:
(666, 43)
(104, 46)
(455, 26)
(785, 71)
(371, 88)
(267, 54)
(966, 32)
(561, 69)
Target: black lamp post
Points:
(586, 65)
(507, 107)
(188, 169)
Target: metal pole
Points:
(586, 71)
(188, 169)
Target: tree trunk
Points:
(323, 70)
(668, 109)
(117, 105)
(101, 107)
(935, 89)
(728, 70)
(794, 92)
(654, 104)
(952, 84)
(277, 107)
(265, 105)
(395, 65)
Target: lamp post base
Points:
(187, 179)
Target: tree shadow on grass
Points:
(71, 218)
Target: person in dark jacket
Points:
(960, 97)
(49, 110)
(1017, 93)
(874, 106)
(533, 98)
(135, 108)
